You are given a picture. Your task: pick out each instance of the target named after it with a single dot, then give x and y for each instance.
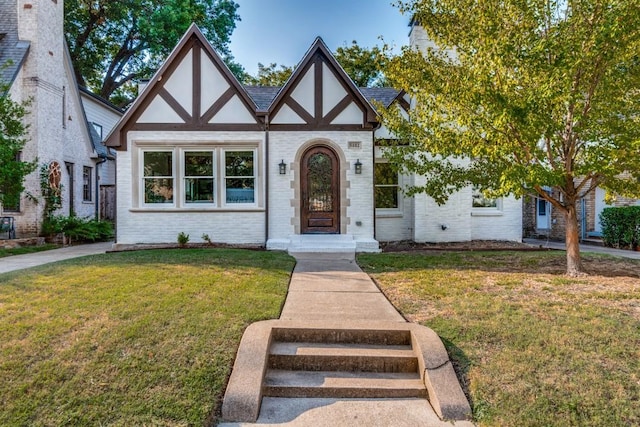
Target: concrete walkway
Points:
(18, 262)
(329, 290)
(583, 248)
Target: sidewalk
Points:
(337, 291)
(18, 262)
(583, 248)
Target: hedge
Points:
(621, 227)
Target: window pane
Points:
(384, 174)
(239, 163)
(86, 184)
(386, 186)
(240, 190)
(387, 197)
(158, 163)
(198, 163)
(158, 190)
(199, 190)
(479, 201)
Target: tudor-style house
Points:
(36, 65)
(199, 153)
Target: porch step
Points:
(341, 384)
(313, 244)
(345, 363)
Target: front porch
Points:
(306, 245)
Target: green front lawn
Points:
(27, 250)
(531, 346)
(132, 338)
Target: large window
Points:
(240, 179)
(158, 177)
(199, 177)
(386, 186)
(86, 184)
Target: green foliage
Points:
(621, 226)
(269, 75)
(78, 229)
(519, 95)
(12, 140)
(206, 238)
(52, 196)
(365, 66)
(113, 43)
(183, 238)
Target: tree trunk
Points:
(574, 263)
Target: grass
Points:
(27, 250)
(531, 346)
(133, 338)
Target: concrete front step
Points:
(381, 337)
(339, 384)
(312, 357)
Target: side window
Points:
(479, 201)
(199, 177)
(239, 177)
(157, 177)
(86, 184)
(386, 186)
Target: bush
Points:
(78, 229)
(621, 227)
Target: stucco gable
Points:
(320, 95)
(192, 90)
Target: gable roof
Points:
(193, 90)
(331, 99)
(13, 51)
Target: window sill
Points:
(389, 213)
(489, 212)
(196, 209)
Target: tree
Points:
(530, 94)
(270, 75)
(12, 140)
(363, 65)
(113, 43)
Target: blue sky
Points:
(281, 31)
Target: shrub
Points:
(183, 238)
(78, 229)
(621, 227)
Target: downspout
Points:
(266, 179)
(97, 202)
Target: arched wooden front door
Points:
(320, 185)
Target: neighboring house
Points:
(59, 135)
(540, 220)
(102, 116)
(201, 154)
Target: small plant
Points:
(206, 238)
(77, 229)
(183, 239)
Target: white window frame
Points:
(486, 210)
(143, 177)
(390, 211)
(223, 176)
(183, 177)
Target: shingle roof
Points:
(13, 51)
(262, 95)
(384, 95)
